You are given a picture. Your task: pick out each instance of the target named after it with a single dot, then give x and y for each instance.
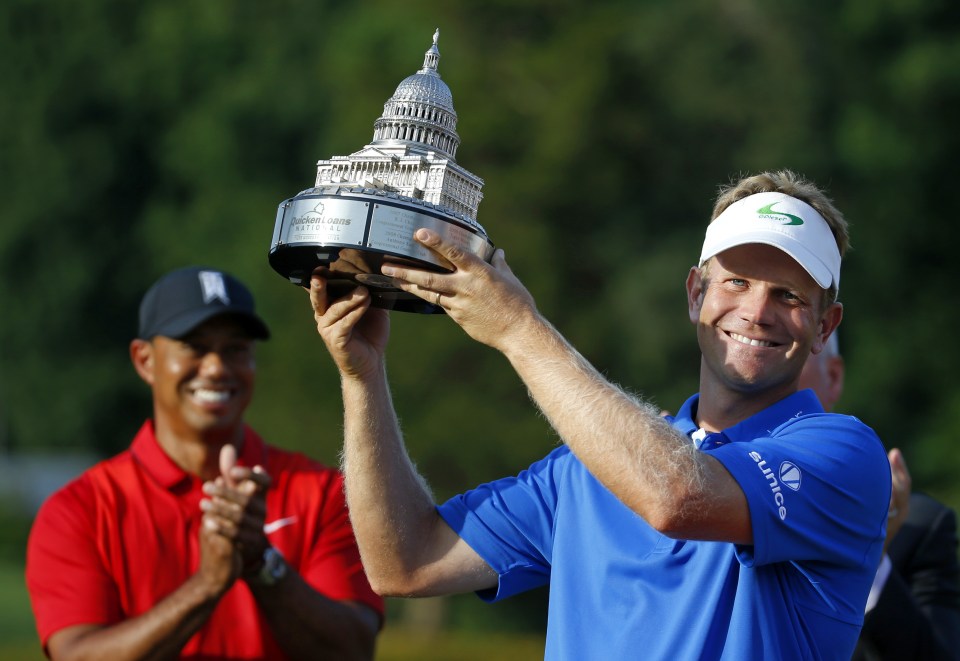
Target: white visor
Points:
(781, 221)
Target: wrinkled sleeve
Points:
(510, 524)
(818, 489)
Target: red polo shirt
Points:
(122, 536)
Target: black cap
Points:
(183, 299)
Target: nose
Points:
(757, 306)
(212, 364)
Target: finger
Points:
(220, 526)
(223, 508)
(428, 285)
(318, 293)
(228, 459)
(253, 488)
(245, 528)
(424, 284)
(234, 504)
(456, 256)
(899, 464)
(899, 472)
(210, 523)
(337, 326)
(499, 260)
(215, 487)
(251, 516)
(260, 470)
(260, 478)
(248, 495)
(219, 491)
(348, 308)
(895, 456)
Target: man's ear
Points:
(695, 287)
(828, 324)
(141, 355)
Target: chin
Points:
(208, 424)
(748, 382)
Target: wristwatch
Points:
(273, 569)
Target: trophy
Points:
(365, 207)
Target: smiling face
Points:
(759, 315)
(202, 383)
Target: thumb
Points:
(228, 459)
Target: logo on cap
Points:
(214, 287)
(781, 217)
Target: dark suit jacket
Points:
(918, 613)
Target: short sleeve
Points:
(510, 524)
(818, 489)
(64, 561)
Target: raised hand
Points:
(486, 300)
(355, 334)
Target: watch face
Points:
(274, 566)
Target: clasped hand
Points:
(232, 536)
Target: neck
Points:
(721, 407)
(197, 453)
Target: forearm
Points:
(392, 511)
(308, 625)
(158, 634)
(625, 443)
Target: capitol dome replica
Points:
(414, 148)
(365, 208)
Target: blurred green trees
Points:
(135, 138)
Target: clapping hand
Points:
(234, 511)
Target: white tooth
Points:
(752, 343)
(211, 395)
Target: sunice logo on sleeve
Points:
(782, 217)
(789, 475)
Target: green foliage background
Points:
(139, 137)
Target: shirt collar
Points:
(148, 453)
(802, 402)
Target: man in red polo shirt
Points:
(200, 540)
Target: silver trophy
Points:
(365, 207)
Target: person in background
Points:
(913, 611)
(200, 540)
(733, 530)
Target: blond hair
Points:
(794, 185)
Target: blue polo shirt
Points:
(818, 488)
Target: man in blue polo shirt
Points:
(747, 526)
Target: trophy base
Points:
(297, 264)
(349, 233)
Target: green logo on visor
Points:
(779, 216)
